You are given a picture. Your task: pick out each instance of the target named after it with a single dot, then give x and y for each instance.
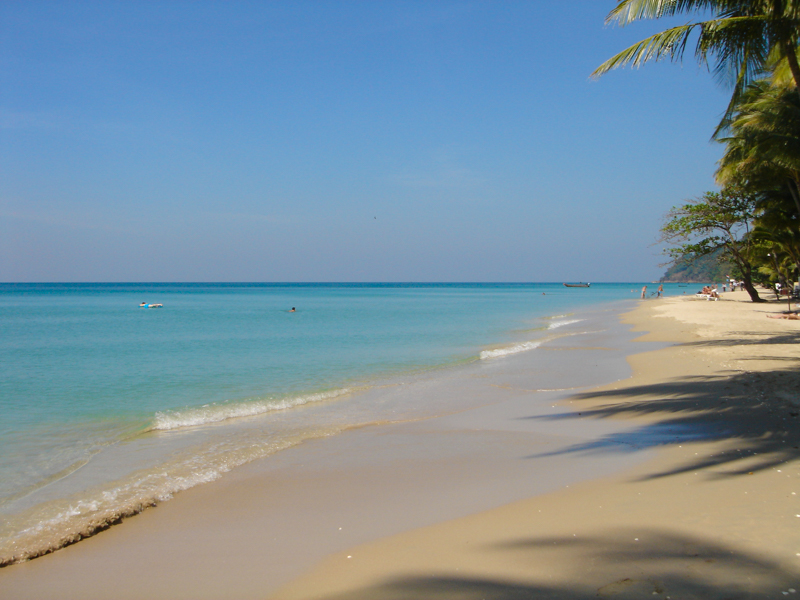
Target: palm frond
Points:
(670, 43)
(763, 137)
(739, 47)
(628, 11)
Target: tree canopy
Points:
(752, 45)
(717, 222)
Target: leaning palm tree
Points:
(739, 37)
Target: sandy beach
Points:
(676, 478)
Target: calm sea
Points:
(107, 407)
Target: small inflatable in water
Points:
(146, 305)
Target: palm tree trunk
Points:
(794, 67)
(793, 190)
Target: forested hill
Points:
(703, 270)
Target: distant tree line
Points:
(753, 221)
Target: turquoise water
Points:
(97, 394)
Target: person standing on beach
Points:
(660, 291)
(644, 291)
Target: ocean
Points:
(108, 407)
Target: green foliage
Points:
(718, 220)
(754, 221)
(740, 39)
(763, 140)
(763, 150)
(714, 267)
(716, 223)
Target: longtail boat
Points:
(577, 284)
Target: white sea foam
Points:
(515, 349)
(214, 413)
(557, 324)
(525, 346)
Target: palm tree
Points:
(763, 140)
(775, 227)
(740, 37)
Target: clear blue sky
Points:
(339, 141)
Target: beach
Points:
(109, 408)
(666, 465)
(715, 514)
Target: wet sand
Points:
(641, 487)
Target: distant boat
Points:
(577, 284)
(146, 305)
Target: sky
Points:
(340, 141)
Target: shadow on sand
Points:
(757, 412)
(754, 411)
(658, 565)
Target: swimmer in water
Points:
(293, 310)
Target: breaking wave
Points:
(525, 346)
(557, 324)
(515, 349)
(214, 413)
(53, 525)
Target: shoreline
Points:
(449, 506)
(65, 478)
(378, 402)
(711, 516)
(266, 523)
